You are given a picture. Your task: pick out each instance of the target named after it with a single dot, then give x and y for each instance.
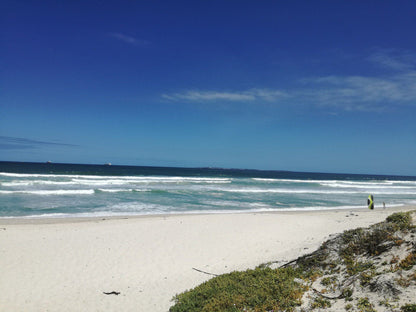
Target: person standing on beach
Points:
(370, 202)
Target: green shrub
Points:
(366, 277)
(402, 219)
(262, 289)
(320, 303)
(354, 267)
(408, 262)
(330, 282)
(346, 294)
(408, 308)
(364, 305)
(370, 241)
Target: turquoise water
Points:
(61, 190)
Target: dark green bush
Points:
(262, 289)
(408, 308)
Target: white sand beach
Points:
(68, 264)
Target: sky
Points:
(317, 86)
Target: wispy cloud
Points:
(362, 93)
(369, 93)
(394, 59)
(128, 39)
(394, 88)
(15, 143)
(236, 96)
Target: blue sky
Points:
(326, 86)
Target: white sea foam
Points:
(36, 182)
(369, 187)
(128, 178)
(339, 182)
(222, 203)
(11, 184)
(122, 190)
(50, 192)
(362, 184)
(137, 208)
(287, 180)
(114, 190)
(310, 191)
(113, 213)
(38, 175)
(101, 182)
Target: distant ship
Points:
(107, 164)
(48, 162)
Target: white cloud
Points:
(240, 96)
(394, 59)
(270, 95)
(362, 93)
(128, 39)
(343, 93)
(202, 96)
(369, 93)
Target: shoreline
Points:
(68, 264)
(43, 219)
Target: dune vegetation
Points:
(365, 269)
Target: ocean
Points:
(72, 190)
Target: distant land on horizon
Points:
(116, 169)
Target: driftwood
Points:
(289, 263)
(111, 293)
(205, 272)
